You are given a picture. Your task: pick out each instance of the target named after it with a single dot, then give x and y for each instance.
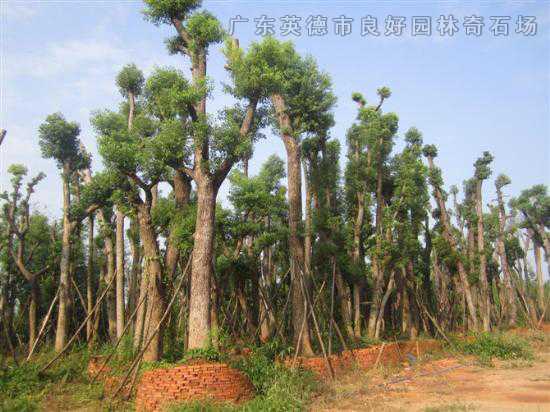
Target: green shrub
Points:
(497, 345)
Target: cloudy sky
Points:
(466, 94)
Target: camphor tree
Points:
(130, 83)
(511, 310)
(409, 212)
(21, 224)
(301, 100)
(58, 140)
(482, 172)
(436, 181)
(215, 147)
(534, 205)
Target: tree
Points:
(301, 98)
(500, 182)
(130, 83)
(215, 149)
(436, 181)
(58, 140)
(482, 172)
(534, 205)
(21, 223)
(129, 156)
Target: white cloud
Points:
(63, 58)
(17, 11)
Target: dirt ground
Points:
(446, 385)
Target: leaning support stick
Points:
(50, 363)
(42, 328)
(126, 327)
(315, 324)
(138, 358)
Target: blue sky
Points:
(466, 94)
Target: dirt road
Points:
(445, 385)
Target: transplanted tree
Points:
(58, 140)
(301, 98)
(511, 310)
(129, 154)
(215, 148)
(19, 218)
(534, 205)
(379, 131)
(436, 181)
(482, 172)
(130, 83)
(409, 206)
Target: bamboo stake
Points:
(126, 327)
(79, 328)
(315, 324)
(150, 339)
(43, 326)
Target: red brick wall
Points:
(217, 381)
(391, 353)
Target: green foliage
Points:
(58, 139)
(534, 205)
(130, 80)
(497, 345)
(278, 388)
(501, 181)
(430, 150)
(163, 11)
(204, 30)
(210, 354)
(482, 170)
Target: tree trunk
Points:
(182, 193)
(201, 272)
(109, 248)
(539, 279)
(89, 280)
(378, 272)
(64, 269)
(344, 296)
(296, 242)
(485, 292)
(449, 237)
(510, 294)
(357, 261)
(153, 275)
(119, 273)
(34, 304)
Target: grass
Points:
(24, 388)
(278, 388)
(497, 345)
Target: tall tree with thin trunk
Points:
(58, 140)
(500, 182)
(301, 98)
(436, 181)
(130, 83)
(482, 172)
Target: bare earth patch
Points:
(448, 384)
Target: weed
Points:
(487, 346)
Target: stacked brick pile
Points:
(216, 381)
(391, 353)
